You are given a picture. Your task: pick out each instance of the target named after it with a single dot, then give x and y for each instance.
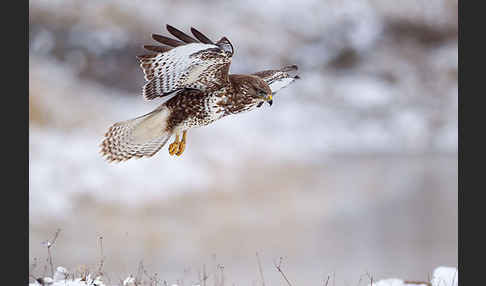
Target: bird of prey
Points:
(194, 73)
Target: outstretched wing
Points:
(278, 79)
(185, 63)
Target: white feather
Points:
(180, 60)
(281, 83)
(177, 68)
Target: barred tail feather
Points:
(139, 137)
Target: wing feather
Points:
(185, 64)
(200, 36)
(278, 79)
(180, 35)
(167, 41)
(158, 49)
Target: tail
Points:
(139, 137)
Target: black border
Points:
(15, 141)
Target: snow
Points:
(86, 281)
(61, 274)
(130, 281)
(443, 276)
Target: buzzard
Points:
(194, 73)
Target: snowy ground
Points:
(442, 276)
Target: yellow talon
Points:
(182, 144)
(174, 146)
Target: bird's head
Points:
(253, 88)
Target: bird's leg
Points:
(182, 144)
(173, 147)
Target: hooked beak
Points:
(269, 100)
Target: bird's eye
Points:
(262, 93)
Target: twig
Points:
(454, 278)
(199, 278)
(185, 273)
(221, 269)
(49, 254)
(260, 269)
(154, 280)
(102, 257)
(417, 282)
(205, 275)
(280, 270)
(108, 278)
(32, 276)
(138, 277)
(32, 268)
(84, 272)
(216, 282)
(327, 280)
(370, 277)
(361, 278)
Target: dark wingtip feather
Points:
(159, 49)
(290, 68)
(167, 41)
(201, 37)
(180, 35)
(291, 71)
(143, 57)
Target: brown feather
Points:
(200, 36)
(180, 35)
(146, 57)
(158, 49)
(290, 68)
(167, 41)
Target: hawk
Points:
(194, 73)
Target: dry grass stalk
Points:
(279, 268)
(260, 269)
(50, 243)
(102, 257)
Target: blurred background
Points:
(352, 170)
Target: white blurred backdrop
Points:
(352, 170)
